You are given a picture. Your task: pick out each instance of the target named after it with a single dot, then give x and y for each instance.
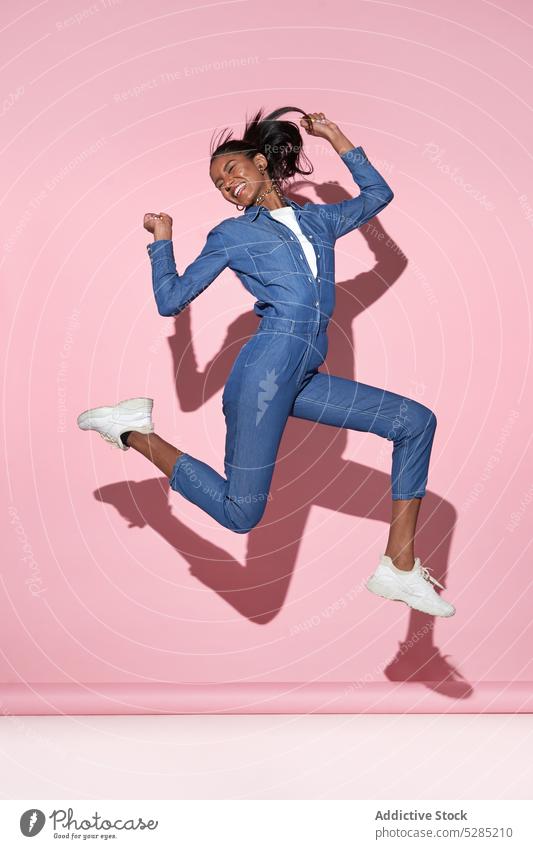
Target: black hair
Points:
(279, 141)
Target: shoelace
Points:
(424, 571)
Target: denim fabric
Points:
(275, 374)
(266, 255)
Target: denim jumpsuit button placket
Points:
(275, 375)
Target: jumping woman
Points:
(283, 254)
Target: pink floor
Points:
(281, 757)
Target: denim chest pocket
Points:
(271, 259)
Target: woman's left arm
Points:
(375, 194)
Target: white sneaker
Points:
(415, 587)
(111, 422)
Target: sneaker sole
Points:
(411, 604)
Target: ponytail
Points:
(280, 142)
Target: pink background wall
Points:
(110, 577)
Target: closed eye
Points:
(228, 167)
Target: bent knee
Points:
(431, 418)
(423, 418)
(237, 530)
(243, 527)
(243, 517)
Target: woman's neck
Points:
(271, 198)
(276, 203)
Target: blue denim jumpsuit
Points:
(275, 374)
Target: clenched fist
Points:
(316, 124)
(160, 224)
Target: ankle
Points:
(404, 563)
(125, 436)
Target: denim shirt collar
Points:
(253, 211)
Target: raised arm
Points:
(375, 192)
(172, 291)
(374, 196)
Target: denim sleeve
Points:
(173, 291)
(374, 196)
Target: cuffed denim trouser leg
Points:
(274, 376)
(408, 424)
(238, 500)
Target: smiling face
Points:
(238, 178)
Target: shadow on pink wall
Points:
(259, 590)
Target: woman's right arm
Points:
(172, 291)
